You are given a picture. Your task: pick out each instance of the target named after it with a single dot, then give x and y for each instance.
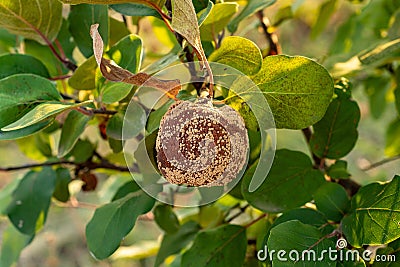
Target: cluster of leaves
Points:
(52, 93)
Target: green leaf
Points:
(114, 126)
(115, 91)
(73, 127)
(16, 63)
(146, 148)
(210, 216)
(296, 236)
(6, 195)
(31, 201)
(252, 7)
(44, 54)
(163, 33)
(84, 77)
(28, 147)
(118, 30)
(376, 88)
(298, 90)
(125, 189)
(112, 185)
(380, 53)
(127, 53)
(19, 93)
(82, 151)
(115, 145)
(385, 253)
(151, 3)
(164, 62)
(244, 110)
(204, 12)
(133, 123)
(66, 40)
(221, 246)
(375, 216)
(290, 169)
(134, 9)
(80, 18)
(336, 133)
(112, 222)
(199, 5)
(13, 242)
(338, 170)
(285, 13)
(27, 131)
(7, 41)
(217, 20)
(326, 11)
(61, 191)
(392, 139)
(41, 112)
(42, 144)
(32, 18)
(332, 200)
(175, 242)
(239, 53)
(166, 218)
(397, 89)
(153, 122)
(391, 254)
(306, 216)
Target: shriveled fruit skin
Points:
(201, 145)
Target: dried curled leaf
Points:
(113, 72)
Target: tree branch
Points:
(62, 77)
(91, 112)
(30, 166)
(104, 164)
(351, 186)
(256, 220)
(318, 162)
(272, 38)
(380, 163)
(240, 212)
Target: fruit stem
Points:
(211, 81)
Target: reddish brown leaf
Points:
(113, 72)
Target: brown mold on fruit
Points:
(201, 145)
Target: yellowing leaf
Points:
(41, 112)
(33, 19)
(298, 90)
(216, 20)
(239, 53)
